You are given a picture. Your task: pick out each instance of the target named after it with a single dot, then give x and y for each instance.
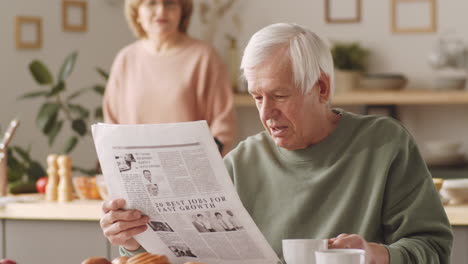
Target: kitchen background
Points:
(107, 33)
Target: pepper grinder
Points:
(65, 188)
(52, 183)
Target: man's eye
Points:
(258, 97)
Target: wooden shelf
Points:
(405, 97)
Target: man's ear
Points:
(324, 88)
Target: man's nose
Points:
(268, 109)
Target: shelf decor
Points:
(25, 38)
(413, 16)
(343, 11)
(78, 10)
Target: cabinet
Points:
(52, 242)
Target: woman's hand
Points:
(375, 253)
(119, 225)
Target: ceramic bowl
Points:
(456, 190)
(382, 81)
(438, 183)
(443, 147)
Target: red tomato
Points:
(41, 184)
(7, 261)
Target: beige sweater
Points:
(189, 84)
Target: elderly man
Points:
(318, 172)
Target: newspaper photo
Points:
(175, 174)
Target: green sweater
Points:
(365, 178)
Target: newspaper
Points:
(174, 174)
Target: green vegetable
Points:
(22, 187)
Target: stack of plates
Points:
(456, 190)
(443, 153)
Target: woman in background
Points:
(167, 76)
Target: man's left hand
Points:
(375, 253)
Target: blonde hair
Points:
(131, 14)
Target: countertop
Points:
(90, 210)
(36, 208)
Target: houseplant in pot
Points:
(59, 110)
(350, 62)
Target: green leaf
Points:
(47, 116)
(71, 144)
(40, 72)
(33, 95)
(67, 66)
(103, 73)
(82, 112)
(24, 154)
(98, 114)
(16, 169)
(54, 132)
(99, 89)
(79, 126)
(35, 171)
(77, 93)
(59, 87)
(15, 173)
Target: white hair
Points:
(309, 54)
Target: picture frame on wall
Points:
(413, 16)
(74, 16)
(28, 32)
(342, 11)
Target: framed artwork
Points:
(28, 32)
(413, 16)
(74, 16)
(343, 11)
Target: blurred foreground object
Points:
(3, 156)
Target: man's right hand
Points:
(120, 225)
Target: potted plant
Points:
(350, 62)
(59, 109)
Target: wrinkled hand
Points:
(375, 253)
(119, 225)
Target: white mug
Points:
(302, 251)
(340, 256)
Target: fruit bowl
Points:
(86, 188)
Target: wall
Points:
(107, 33)
(397, 53)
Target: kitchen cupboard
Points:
(52, 242)
(54, 233)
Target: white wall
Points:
(398, 53)
(107, 33)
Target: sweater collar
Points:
(320, 148)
